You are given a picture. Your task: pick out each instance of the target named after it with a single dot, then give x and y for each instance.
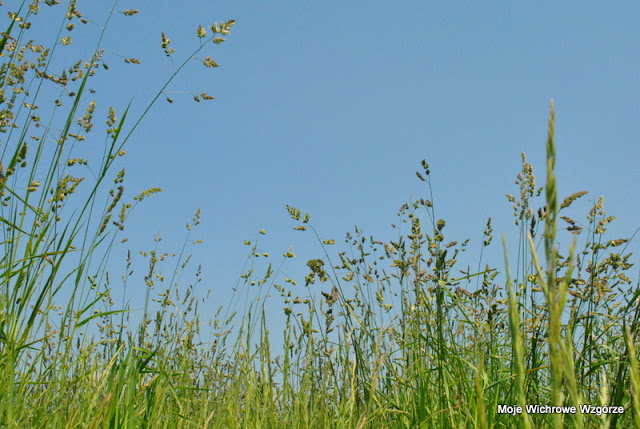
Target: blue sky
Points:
(330, 106)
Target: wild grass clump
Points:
(377, 334)
(63, 205)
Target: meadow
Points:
(379, 335)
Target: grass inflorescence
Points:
(377, 334)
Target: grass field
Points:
(399, 336)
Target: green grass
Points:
(399, 335)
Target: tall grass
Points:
(398, 335)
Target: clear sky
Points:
(329, 106)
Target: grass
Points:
(397, 337)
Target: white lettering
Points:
(605, 409)
(548, 409)
(509, 409)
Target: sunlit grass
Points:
(397, 334)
